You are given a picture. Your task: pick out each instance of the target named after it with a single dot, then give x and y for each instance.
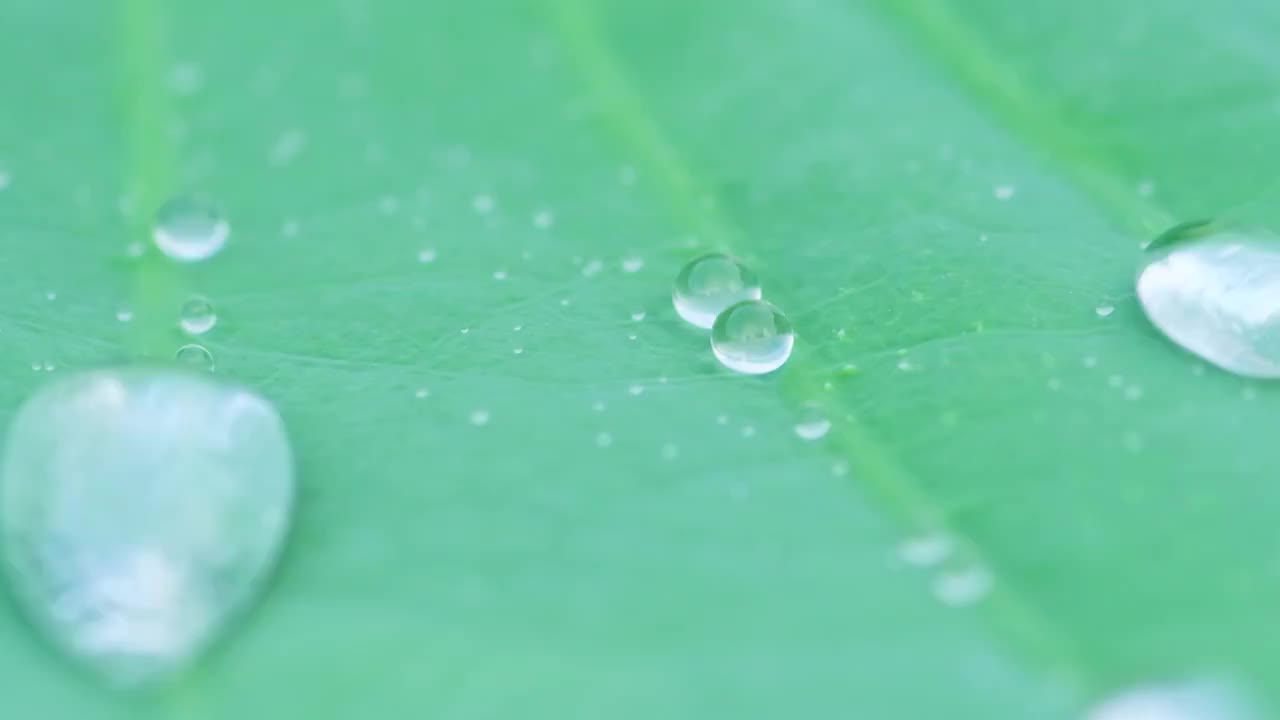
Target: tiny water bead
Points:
(142, 510)
(813, 424)
(198, 316)
(707, 285)
(190, 229)
(752, 337)
(1215, 291)
(196, 357)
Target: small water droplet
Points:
(287, 147)
(961, 587)
(499, 274)
(517, 350)
(124, 316)
(813, 423)
(422, 393)
(926, 550)
(5, 179)
(708, 285)
(592, 267)
(1104, 310)
(1146, 188)
(1215, 291)
(598, 406)
(633, 337)
(632, 264)
(1089, 361)
(722, 419)
(748, 431)
(426, 255)
(839, 468)
(198, 316)
(479, 417)
(1133, 392)
(637, 316)
(143, 510)
(389, 205)
(290, 228)
(196, 357)
(752, 337)
(1054, 384)
(51, 296)
(635, 390)
(543, 219)
(1004, 192)
(604, 439)
(564, 302)
(189, 229)
(483, 203)
(49, 366)
(185, 78)
(905, 365)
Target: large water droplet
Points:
(142, 509)
(198, 316)
(1196, 700)
(707, 285)
(752, 337)
(190, 228)
(1215, 291)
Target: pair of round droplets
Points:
(748, 335)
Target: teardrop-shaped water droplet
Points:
(142, 510)
(190, 228)
(707, 285)
(198, 316)
(1215, 290)
(196, 357)
(813, 423)
(752, 337)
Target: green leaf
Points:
(938, 193)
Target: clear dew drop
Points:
(142, 511)
(1215, 291)
(752, 337)
(637, 316)
(1104, 310)
(190, 229)
(813, 424)
(926, 550)
(604, 439)
(426, 255)
(198, 316)
(1192, 700)
(479, 418)
(632, 264)
(196, 357)
(124, 316)
(963, 586)
(707, 285)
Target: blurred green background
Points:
(939, 193)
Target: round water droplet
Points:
(1204, 699)
(196, 357)
(198, 316)
(752, 337)
(189, 229)
(813, 424)
(1215, 291)
(707, 285)
(142, 509)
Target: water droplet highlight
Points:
(752, 337)
(198, 316)
(190, 229)
(813, 424)
(142, 510)
(1104, 310)
(196, 357)
(962, 587)
(1215, 291)
(707, 285)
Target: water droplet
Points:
(5, 179)
(669, 451)
(142, 510)
(49, 366)
(517, 350)
(289, 228)
(479, 417)
(813, 424)
(722, 419)
(1004, 192)
(51, 296)
(839, 468)
(604, 439)
(707, 285)
(426, 255)
(124, 316)
(926, 550)
(1133, 392)
(198, 316)
(1197, 700)
(196, 357)
(1089, 361)
(1146, 188)
(499, 274)
(422, 393)
(752, 337)
(185, 78)
(632, 264)
(635, 390)
(748, 431)
(189, 229)
(1054, 384)
(1215, 291)
(1104, 310)
(637, 316)
(483, 204)
(543, 219)
(960, 587)
(598, 406)
(592, 267)
(287, 147)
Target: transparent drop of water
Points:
(707, 285)
(142, 510)
(198, 316)
(813, 424)
(1215, 291)
(1195, 700)
(196, 357)
(190, 228)
(752, 337)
